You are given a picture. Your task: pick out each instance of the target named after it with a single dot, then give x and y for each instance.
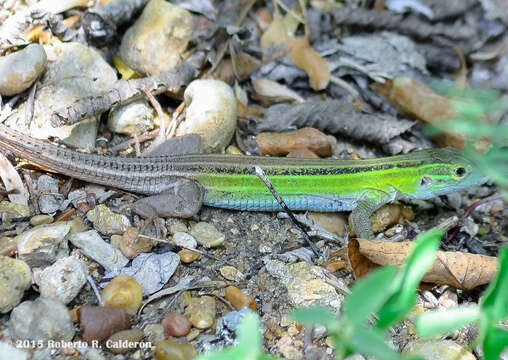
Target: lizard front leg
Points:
(369, 201)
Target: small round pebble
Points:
(131, 245)
(124, 341)
(188, 256)
(239, 299)
(184, 240)
(207, 235)
(231, 273)
(176, 325)
(172, 350)
(125, 292)
(201, 311)
(19, 70)
(41, 219)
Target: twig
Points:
(261, 174)
(95, 290)
(162, 133)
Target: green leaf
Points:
(419, 261)
(496, 340)
(372, 342)
(249, 337)
(495, 301)
(314, 316)
(369, 294)
(432, 323)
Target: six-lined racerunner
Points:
(227, 181)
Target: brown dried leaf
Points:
(12, 182)
(461, 270)
(278, 144)
(417, 100)
(271, 92)
(274, 38)
(306, 58)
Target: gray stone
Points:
(184, 240)
(42, 319)
(63, 280)
(92, 245)
(74, 71)
(15, 278)
(207, 235)
(19, 70)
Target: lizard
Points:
(229, 181)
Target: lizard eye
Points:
(426, 181)
(460, 171)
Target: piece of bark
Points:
(461, 270)
(124, 92)
(100, 22)
(334, 117)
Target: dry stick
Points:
(261, 174)
(176, 119)
(142, 138)
(124, 92)
(162, 132)
(29, 110)
(95, 290)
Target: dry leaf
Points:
(306, 58)
(12, 182)
(272, 92)
(126, 72)
(461, 270)
(278, 144)
(417, 100)
(244, 65)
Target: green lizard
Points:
(230, 182)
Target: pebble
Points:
(207, 235)
(8, 246)
(41, 320)
(131, 245)
(201, 311)
(188, 256)
(49, 200)
(13, 353)
(231, 273)
(172, 350)
(100, 322)
(184, 240)
(290, 348)
(13, 210)
(157, 39)
(107, 222)
(124, 341)
(194, 333)
(62, 85)
(306, 285)
(41, 220)
(335, 265)
(131, 119)
(92, 245)
(175, 225)
(124, 292)
(152, 270)
(176, 325)
(437, 349)
(19, 70)
(15, 278)
(43, 244)
(239, 299)
(333, 222)
(63, 280)
(211, 112)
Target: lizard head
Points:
(447, 171)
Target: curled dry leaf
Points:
(277, 39)
(278, 144)
(461, 270)
(270, 91)
(417, 100)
